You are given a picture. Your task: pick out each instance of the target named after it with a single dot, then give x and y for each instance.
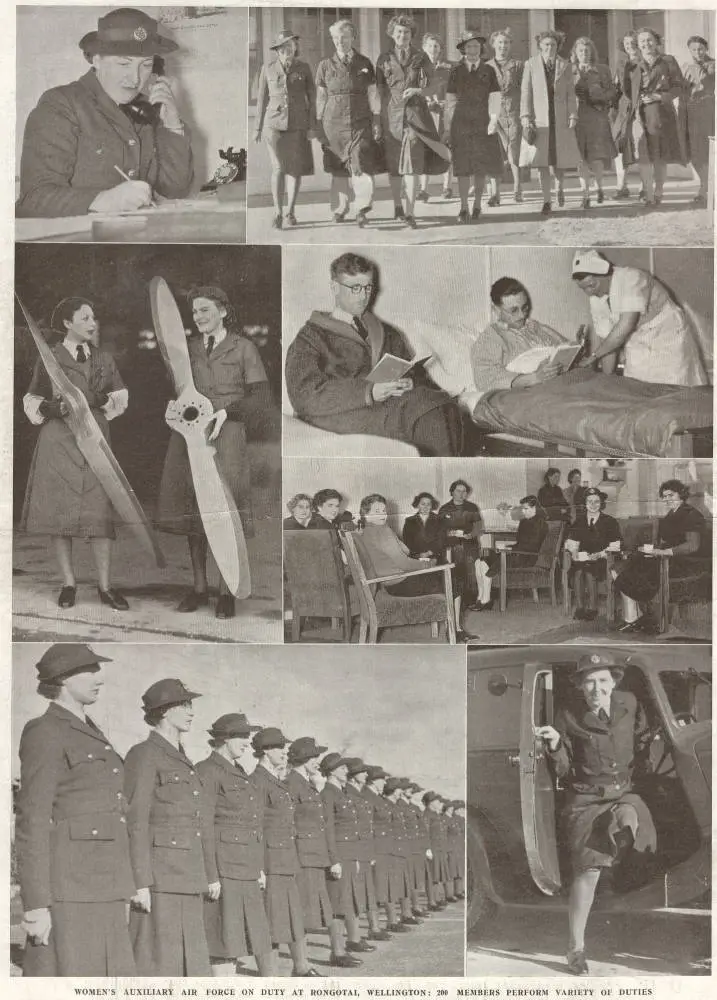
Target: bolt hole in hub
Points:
(190, 414)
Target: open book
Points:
(389, 367)
(529, 361)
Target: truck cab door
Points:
(537, 788)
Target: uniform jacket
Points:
(437, 833)
(428, 536)
(170, 832)
(234, 802)
(326, 369)
(342, 831)
(343, 97)
(596, 538)
(280, 855)
(399, 834)
(382, 821)
(309, 822)
(392, 79)
(535, 104)
(71, 831)
(287, 101)
(593, 752)
(224, 375)
(73, 140)
(509, 75)
(419, 828)
(364, 812)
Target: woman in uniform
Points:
(509, 73)
(411, 141)
(316, 870)
(592, 533)
(357, 775)
(383, 872)
(683, 535)
(596, 94)
(595, 748)
(549, 114)
(401, 918)
(470, 122)
(71, 834)
(236, 923)
(348, 111)
(532, 532)
(171, 841)
(620, 118)
(462, 523)
(286, 115)
(281, 860)
(437, 72)
(551, 497)
(699, 75)
(439, 847)
(423, 533)
(64, 498)
(300, 512)
(228, 370)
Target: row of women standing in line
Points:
(64, 498)
(216, 863)
(414, 116)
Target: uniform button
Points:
(195, 792)
(119, 795)
(191, 772)
(174, 841)
(115, 770)
(199, 833)
(90, 756)
(94, 833)
(107, 747)
(122, 819)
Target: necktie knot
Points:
(81, 355)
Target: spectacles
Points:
(358, 289)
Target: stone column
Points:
(539, 20)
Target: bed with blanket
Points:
(601, 414)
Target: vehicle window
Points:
(689, 693)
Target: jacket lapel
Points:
(376, 335)
(560, 65)
(76, 723)
(105, 106)
(169, 750)
(227, 345)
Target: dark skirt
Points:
(589, 828)
(236, 923)
(348, 894)
(400, 883)
(439, 867)
(657, 134)
(352, 151)
(170, 940)
(700, 116)
(314, 896)
(290, 151)
(177, 510)
(64, 496)
(640, 578)
(87, 940)
(477, 153)
(283, 909)
(382, 880)
(593, 134)
(418, 871)
(415, 152)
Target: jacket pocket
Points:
(93, 828)
(180, 841)
(275, 838)
(76, 757)
(172, 777)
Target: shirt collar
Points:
(218, 337)
(342, 316)
(71, 347)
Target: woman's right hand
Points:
(129, 196)
(549, 734)
(38, 924)
(257, 135)
(53, 409)
(142, 900)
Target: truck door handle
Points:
(514, 759)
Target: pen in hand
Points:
(125, 177)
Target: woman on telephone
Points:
(99, 144)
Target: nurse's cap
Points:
(590, 262)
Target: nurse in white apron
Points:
(633, 312)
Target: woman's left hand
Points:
(410, 92)
(214, 890)
(219, 420)
(161, 93)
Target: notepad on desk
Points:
(389, 368)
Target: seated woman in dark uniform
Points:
(682, 534)
(588, 538)
(532, 529)
(596, 746)
(423, 532)
(105, 142)
(300, 512)
(327, 513)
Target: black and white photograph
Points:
(589, 823)
(462, 351)
(507, 550)
(481, 126)
(131, 124)
(147, 479)
(265, 812)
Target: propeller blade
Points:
(171, 337)
(220, 517)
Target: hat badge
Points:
(139, 34)
(594, 658)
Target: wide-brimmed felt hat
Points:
(356, 766)
(597, 661)
(226, 727)
(304, 748)
(331, 761)
(375, 772)
(470, 35)
(67, 658)
(282, 38)
(169, 691)
(430, 797)
(392, 785)
(126, 32)
(268, 739)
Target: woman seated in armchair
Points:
(589, 538)
(532, 531)
(424, 533)
(683, 535)
(389, 556)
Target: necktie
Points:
(591, 522)
(81, 356)
(345, 60)
(360, 328)
(603, 716)
(550, 66)
(210, 344)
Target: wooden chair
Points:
(539, 576)
(379, 609)
(316, 577)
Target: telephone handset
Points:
(146, 113)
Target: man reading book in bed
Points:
(515, 351)
(331, 377)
